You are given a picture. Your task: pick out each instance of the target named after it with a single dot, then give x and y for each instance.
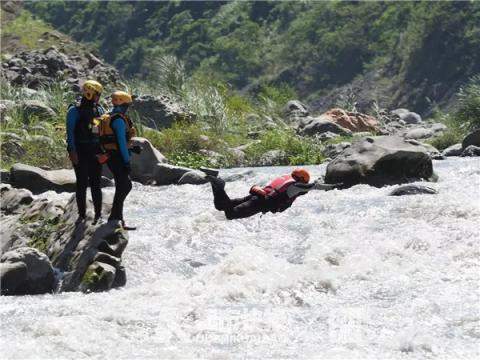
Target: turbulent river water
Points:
(341, 275)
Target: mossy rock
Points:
(98, 277)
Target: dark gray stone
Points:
(13, 277)
(471, 150)
(471, 139)
(166, 174)
(454, 150)
(193, 177)
(40, 276)
(413, 190)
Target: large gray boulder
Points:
(40, 277)
(144, 164)
(471, 139)
(38, 180)
(160, 112)
(379, 161)
(87, 255)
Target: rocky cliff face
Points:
(41, 237)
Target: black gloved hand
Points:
(137, 149)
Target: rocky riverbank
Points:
(44, 249)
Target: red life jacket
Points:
(279, 185)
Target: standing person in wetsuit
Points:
(116, 130)
(277, 196)
(83, 146)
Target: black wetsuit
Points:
(123, 184)
(119, 164)
(248, 206)
(88, 171)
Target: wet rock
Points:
(40, 277)
(380, 161)
(160, 112)
(144, 164)
(193, 177)
(412, 190)
(454, 150)
(4, 176)
(12, 278)
(471, 150)
(98, 277)
(471, 139)
(166, 174)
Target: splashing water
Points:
(340, 275)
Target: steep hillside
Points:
(411, 54)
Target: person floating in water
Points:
(277, 196)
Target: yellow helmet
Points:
(91, 89)
(121, 98)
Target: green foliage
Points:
(28, 30)
(298, 150)
(309, 45)
(42, 140)
(42, 232)
(189, 159)
(468, 108)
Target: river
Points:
(341, 275)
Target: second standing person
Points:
(115, 134)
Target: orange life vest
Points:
(108, 140)
(279, 185)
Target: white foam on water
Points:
(340, 275)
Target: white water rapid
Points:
(341, 275)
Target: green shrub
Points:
(298, 150)
(468, 108)
(28, 30)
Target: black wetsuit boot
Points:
(88, 173)
(123, 185)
